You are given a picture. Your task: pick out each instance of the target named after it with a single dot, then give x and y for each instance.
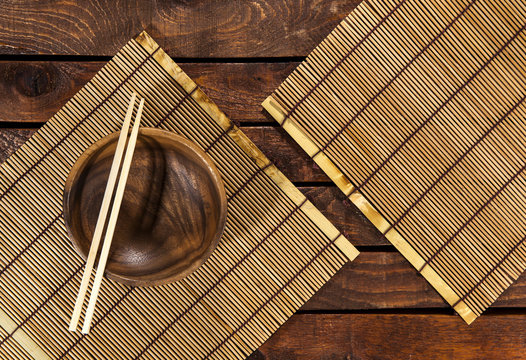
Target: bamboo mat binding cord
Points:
(416, 111)
(276, 251)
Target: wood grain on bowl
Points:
(173, 211)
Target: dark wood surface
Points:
(161, 236)
(184, 28)
(377, 307)
(395, 336)
(32, 89)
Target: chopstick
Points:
(113, 220)
(101, 220)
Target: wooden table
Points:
(239, 52)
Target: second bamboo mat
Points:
(276, 252)
(416, 110)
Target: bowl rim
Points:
(81, 162)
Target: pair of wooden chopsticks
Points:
(112, 179)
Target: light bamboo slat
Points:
(416, 110)
(276, 252)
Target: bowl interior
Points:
(172, 214)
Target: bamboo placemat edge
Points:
(21, 337)
(343, 183)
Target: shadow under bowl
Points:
(172, 215)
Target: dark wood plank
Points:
(286, 154)
(201, 29)
(34, 90)
(385, 280)
(12, 139)
(386, 336)
(240, 88)
(344, 215)
(273, 141)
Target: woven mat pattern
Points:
(276, 252)
(416, 110)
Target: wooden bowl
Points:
(172, 214)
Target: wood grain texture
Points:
(286, 154)
(183, 28)
(385, 280)
(239, 88)
(344, 215)
(34, 90)
(12, 139)
(395, 336)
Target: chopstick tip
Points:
(85, 329)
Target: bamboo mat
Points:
(276, 252)
(416, 111)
